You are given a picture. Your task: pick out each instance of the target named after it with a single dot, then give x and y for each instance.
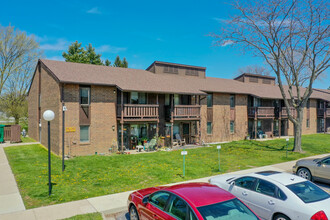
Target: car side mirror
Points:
(319, 163)
(232, 183)
(145, 200)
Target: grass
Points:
(91, 176)
(90, 216)
(27, 139)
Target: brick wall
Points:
(221, 118)
(33, 99)
(103, 117)
(50, 100)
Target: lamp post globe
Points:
(49, 115)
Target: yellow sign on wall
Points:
(70, 129)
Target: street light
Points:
(48, 116)
(287, 143)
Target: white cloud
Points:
(94, 10)
(60, 44)
(109, 49)
(226, 43)
(220, 20)
(59, 58)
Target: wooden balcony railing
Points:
(284, 112)
(187, 112)
(320, 112)
(138, 112)
(261, 112)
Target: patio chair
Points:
(182, 142)
(152, 144)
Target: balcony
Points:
(320, 112)
(284, 112)
(261, 112)
(186, 112)
(138, 112)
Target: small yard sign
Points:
(70, 129)
(184, 152)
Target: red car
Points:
(189, 201)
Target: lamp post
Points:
(287, 143)
(184, 153)
(219, 147)
(48, 116)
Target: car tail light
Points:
(319, 216)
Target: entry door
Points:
(186, 132)
(284, 127)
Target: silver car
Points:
(313, 169)
(274, 195)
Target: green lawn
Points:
(27, 139)
(90, 216)
(91, 176)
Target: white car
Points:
(274, 195)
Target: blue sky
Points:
(141, 31)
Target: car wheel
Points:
(304, 173)
(281, 217)
(133, 214)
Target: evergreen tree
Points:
(75, 54)
(107, 62)
(78, 54)
(117, 62)
(124, 63)
(92, 57)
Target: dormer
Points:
(159, 67)
(256, 78)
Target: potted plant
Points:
(144, 140)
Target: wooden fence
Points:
(12, 133)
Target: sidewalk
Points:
(108, 204)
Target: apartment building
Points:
(99, 109)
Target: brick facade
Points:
(102, 119)
(221, 119)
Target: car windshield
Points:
(308, 192)
(228, 210)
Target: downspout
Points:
(63, 125)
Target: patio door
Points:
(186, 132)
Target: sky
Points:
(141, 31)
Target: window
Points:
(307, 123)
(232, 126)
(142, 98)
(266, 188)
(253, 79)
(176, 99)
(178, 208)
(159, 199)
(281, 195)
(171, 69)
(266, 81)
(84, 133)
(191, 72)
(134, 97)
(84, 95)
(326, 161)
(232, 101)
(246, 182)
(210, 100)
(231, 209)
(192, 216)
(308, 104)
(167, 99)
(308, 192)
(209, 127)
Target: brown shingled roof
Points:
(129, 79)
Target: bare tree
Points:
(292, 37)
(18, 56)
(254, 69)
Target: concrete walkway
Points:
(107, 205)
(10, 198)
